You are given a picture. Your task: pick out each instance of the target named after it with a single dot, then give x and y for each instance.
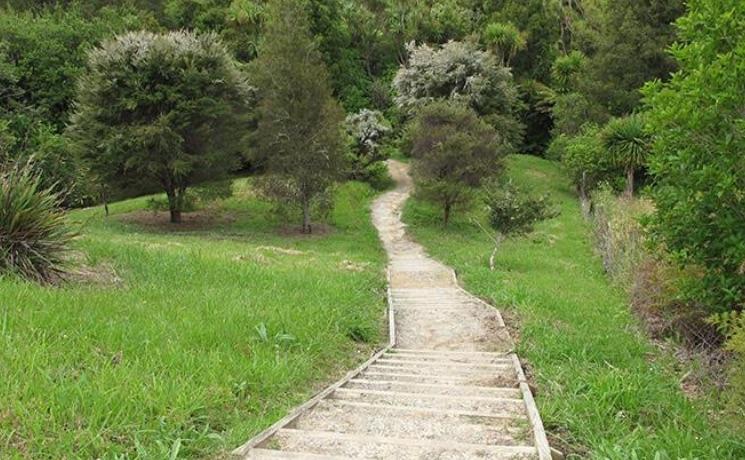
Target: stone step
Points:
(433, 388)
(380, 420)
(488, 405)
(383, 447)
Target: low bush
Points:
(514, 212)
(34, 234)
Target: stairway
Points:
(447, 386)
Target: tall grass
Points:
(207, 336)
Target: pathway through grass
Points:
(603, 390)
(208, 335)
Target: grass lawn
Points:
(186, 342)
(603, 390)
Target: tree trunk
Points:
(629, 182)
(446, 214)
(306, 217)
(174, 206)
(497, 241)
(583, 198)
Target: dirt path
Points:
(447, 387)
(419, 284)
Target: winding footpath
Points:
(447, 386)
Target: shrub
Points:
(513, 212)
(34, 234)
(587, 161)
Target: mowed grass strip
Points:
(604, 390)
(186, 342)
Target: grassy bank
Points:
(603, 389)
(187, 341)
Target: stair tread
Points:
(381, 447)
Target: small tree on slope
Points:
(300, 137)
(453, 151)
(166, 108)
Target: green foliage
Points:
(166, 108)
(453, 152)
(571, 111)
(34, 233)
(512, 211)
(697, 159)
(567, 70)
(627, 141)
(539, 23)
(46, 53)
(505, 40)
(300, 134)
(586, 160)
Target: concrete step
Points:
(433, 388)
(383, 447)
(380, 420)
(445, 358)
(443, 370)
(499, 406)
(271, 454)
(432, 364)
(502, 379)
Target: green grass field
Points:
(186, 342)
(603, 390)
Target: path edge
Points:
(539, 432)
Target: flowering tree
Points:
(462, 72)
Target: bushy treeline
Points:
(665, 108)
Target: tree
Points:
(300, 135)
(697, 159)
(626, 48)
(460, 71)
(628, 144)
(168, 108)
(453, 151)
(505, 40)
